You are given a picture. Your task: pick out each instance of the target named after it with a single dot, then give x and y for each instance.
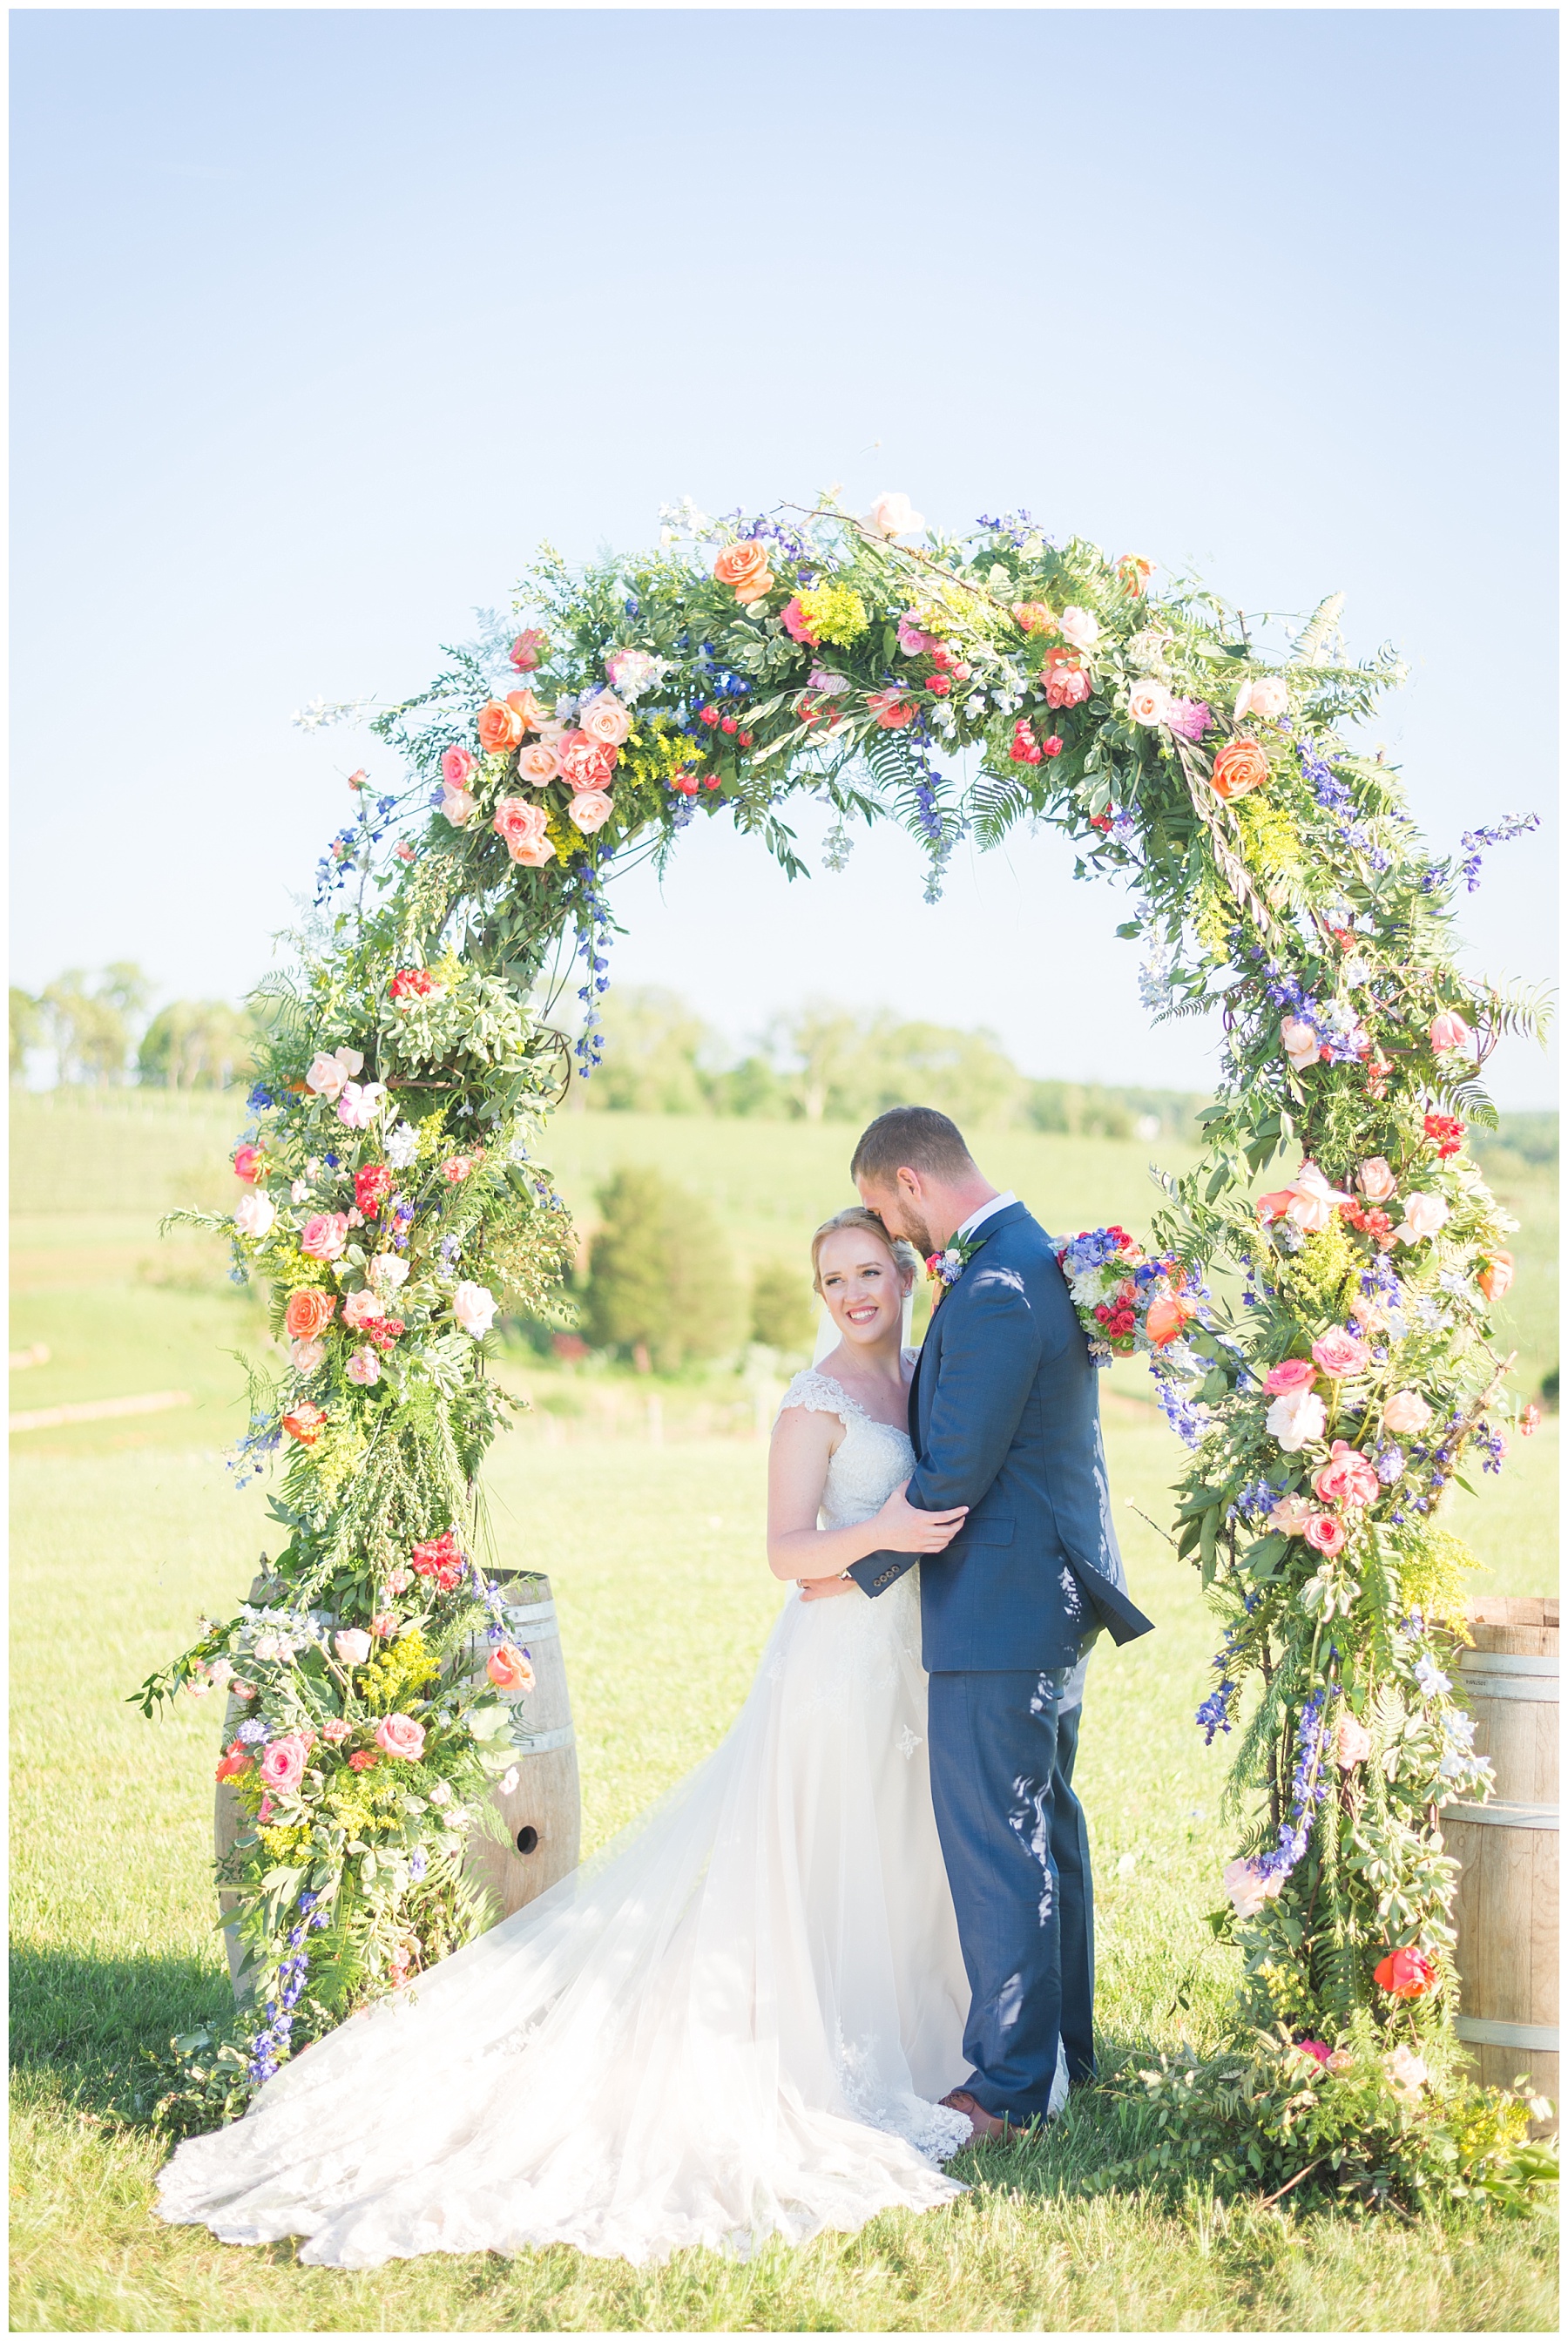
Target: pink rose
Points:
(1406, 1413)
(794, 621)
(537, 764)
(526, 652)
(586, 763)
(456, 764)
(358, 1105)
(1296, 1419)
(305, 1357)
(1375, 1179)
(1347, 1478)
(248, 1163)
(329, 1071)
(605, 720)
(1423, 1215)
(1325, 1534)
(590, 809)
(284, 1764)
(360, 1308)
(1449, 1031)
(363, 1368)
(913, 639)
(325, 1235)
(352, 1646)
(1299, 1042)
(1081, 628)
(1249, 1886)
(1290, 1515)
(1150, 702)
(1340, 1353)
(523, 826)
(1293, 1374)
(400, 1735)
(458, 806)
(1352, 1743)
(892, 515)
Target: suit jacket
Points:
(1005, 1417)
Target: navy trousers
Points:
(1017, 1857)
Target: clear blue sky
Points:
(322, 321)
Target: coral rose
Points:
(1449, 1031)
(1494, 1279)
(537, 764)
(1348, 1477)
(892, 709)
(523, 826)
(326, 1234)
(743, 567)
(1166, 1316)
(1296, 1419)
(1150, 702)
(284, 1764)
(586, 763)
(1406, 1974)
(1240, 767)
(500, 727)
(456, 764)
(605, 720)
(1406, 1413)
(1423, 1215)
(1325, 1534)
(308, 1313)
(1352, 1743)
(248, 1163)
(1340, 1354)
(509, 1667)
(528, 710)
(1290, 1374)
(590, 809)
(1376, 1180)
(400, 1735)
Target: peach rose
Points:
(329, 1070)
(586, 763)
(326, 1235)
(457, 805)
(1376, 1180)
(306, 1356)
(1406, 1413)
(362, 1309)
(1150, 702)
(1166, 1316)
(309, 1313)
(501, 727)
(352, 1646)
(1494, 1279)
(1290, 1374)
(1266, 696)
(1423, 1215)
(590, 809)
(527, 708)
(509, 1667)
(1250, 1885)
(1239, 767)
(523, 826)
(1290, 1515)
(893, 515)
(1450, 1030)
(1341, 1354)
(1299, 1042)
(1347, 1478)
(1080, 627)
(1325, 1534)
(1352, 1743)
(604, 718)
(537, 764)
(743, 567)
(1313, 1200)
(400, 1735)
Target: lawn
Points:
(651, 1527)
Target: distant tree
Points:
(965, 1074)
(196, 1044)
(783, 1311)
(27, 1028)
(660, 1274)
(753, 1088)
(93, 1027)
(651, 1040)
(825, 1043)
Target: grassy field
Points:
(651, 1532)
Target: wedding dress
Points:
(734, 2023)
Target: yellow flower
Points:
(835, 613)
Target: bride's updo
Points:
(905, 1258)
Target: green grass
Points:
(656, 1556)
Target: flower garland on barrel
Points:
(1276, 877)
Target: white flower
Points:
(358, 1107)
(329, 1071)
(1148, 651)
(352, 1646)
(1296, 1419)
(474, 1307)
(254, 1214)
(892, 515)
(298, 1191)
(1081, 627)
(442, 1793)
(387, 1271)
(1405, 2069)
(402, 1145)
(507, 1781)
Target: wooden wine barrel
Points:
(543, 1813)
(1506, 1906)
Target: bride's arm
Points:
(803, 1444)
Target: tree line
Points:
(97, 1025)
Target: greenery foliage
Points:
(660, 1278)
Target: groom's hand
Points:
(824, 1588)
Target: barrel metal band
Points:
(1511, 1687)
(1504, 1816)
(539, 1743)
(538, 1621)
(1489, 2032)
(1505, 1662)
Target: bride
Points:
(737, 2021)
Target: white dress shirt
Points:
(976, 1220)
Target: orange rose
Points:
(500, 727)
(1497, 1275)
(309, 1313)
(1240, 766)
(305, 1424)
(1131, 570)
(531, 713)
(1035, 617)
(744, 568)
(1166, 1316)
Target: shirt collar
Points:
(976, 1220)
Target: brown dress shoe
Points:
(981, 2123)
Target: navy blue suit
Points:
(1004, 1414)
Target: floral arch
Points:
(395, 1188)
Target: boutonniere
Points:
(945, 1268)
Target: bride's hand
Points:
(902, 1528)
(825, 1588)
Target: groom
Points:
(1004, 1414)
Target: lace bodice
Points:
(869, 1460)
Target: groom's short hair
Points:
(914, 1137)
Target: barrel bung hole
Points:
(526, 1839)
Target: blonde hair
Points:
(905, 1258)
